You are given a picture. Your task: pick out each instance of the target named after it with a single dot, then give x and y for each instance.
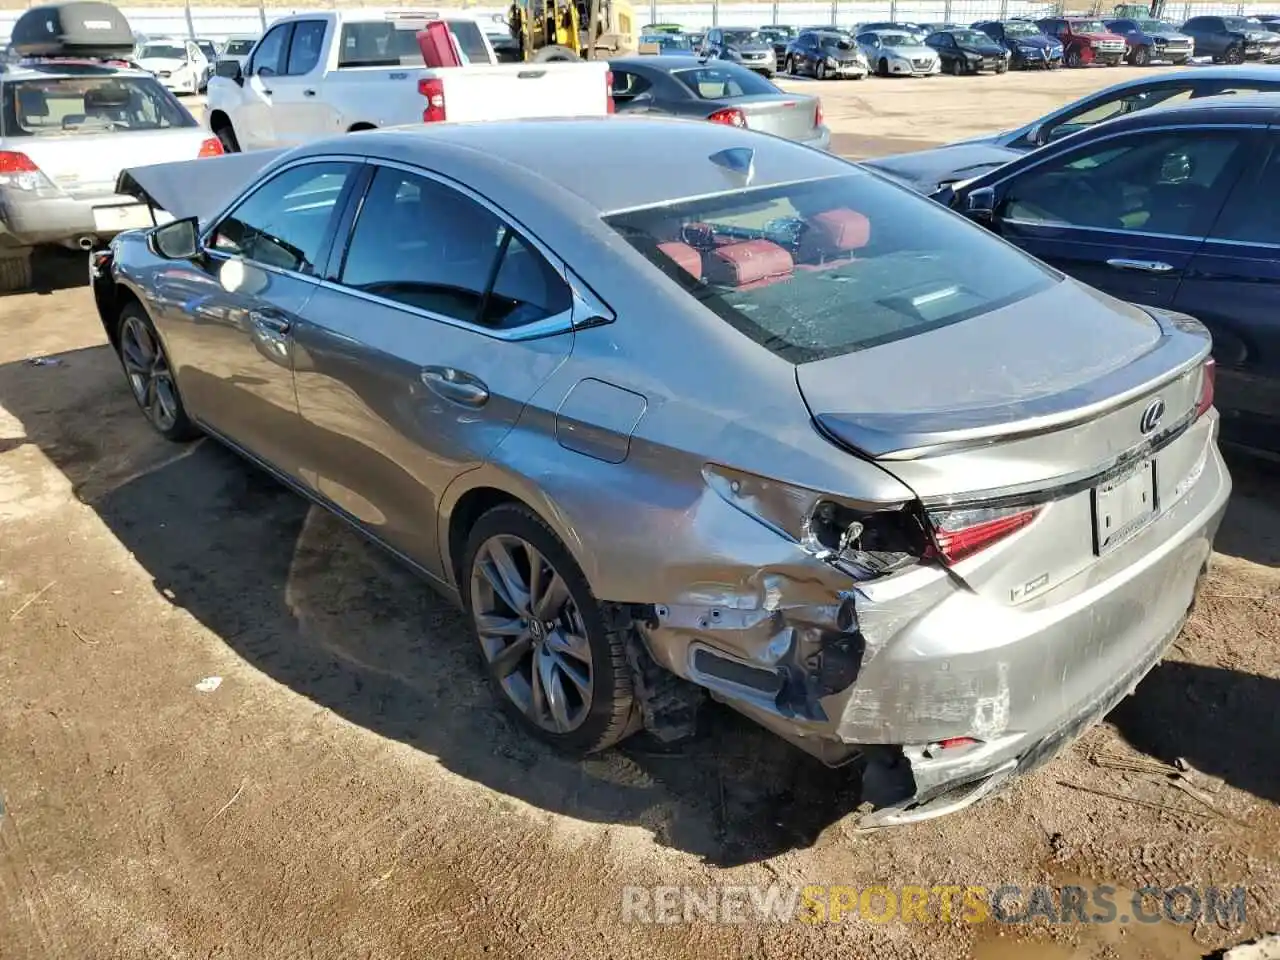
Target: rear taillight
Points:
(609, 106)
(210, 148)
(817, 114)
(1208, 375)
(730, 116)
(19, 172)
(958, 534)
(11, 161)
(433, 89)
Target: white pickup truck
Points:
(316, 74)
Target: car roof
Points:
(634, 161)
(666, 62)
(54, 69)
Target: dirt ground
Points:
(350, 790)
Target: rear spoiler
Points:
(193, 188)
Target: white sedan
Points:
(898, 54)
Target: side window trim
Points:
(1000, 185)
(587, 309)
(324, 254)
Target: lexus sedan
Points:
(729, 416)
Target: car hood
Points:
(167, 186)
(155, 64)
(1262, 36)
(749, 48)
(927, 170)
(909, 53)
(988, 49)
(1099, 36)
(1168, 35)
(1009, 370)
(1038, 42)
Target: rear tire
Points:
(15, 272)
(581, 642)
(226, 135)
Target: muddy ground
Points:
(350, 790)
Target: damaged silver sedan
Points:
(724, 415)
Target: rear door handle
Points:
(308, 93)
(456, 386)
(1146, 266)
(269, 320)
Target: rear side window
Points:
(426, 245)
(823, 268)
(719, 83)
(378, 43)
(1247, 217)
(64, 106)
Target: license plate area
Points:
(124, 216)
(1123, 506)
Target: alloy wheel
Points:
(1235, 54)
(532, 633)
(149, 375)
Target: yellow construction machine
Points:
(549, 30)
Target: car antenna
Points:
(739, 160)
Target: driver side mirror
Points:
(176, 240)
(980, 205)
(1038, 136)
(230, 70)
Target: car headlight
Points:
(832, 62)
(970, 55)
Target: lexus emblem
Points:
(1152, 416)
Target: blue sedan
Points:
(1170, 207)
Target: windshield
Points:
(970, 36)
(1156, 26)
(836, 43)
(739, 37)
(207, 49)
(723, 82)
(900, 40)
(1021, 30)
(1088, 26)
(71, 105)
(832, 266)
(238, 48)
(784, 33)
(162, 51)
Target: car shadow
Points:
(307, 601)
(1251, 528)
(1223, 722)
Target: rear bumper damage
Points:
(892, 669)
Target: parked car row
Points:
(1049, 43)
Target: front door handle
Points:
(456, 386)
(268, 320)
(1145, 266)
(308, 93)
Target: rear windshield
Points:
(828, 267)
(65, 106)
(385, 44)
(724, 82)
(162, 51)
(238, 48)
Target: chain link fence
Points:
(217, 23)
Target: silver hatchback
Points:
(727, 416)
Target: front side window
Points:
(1166, 184)
(827, 267)
(268, 59)
(1108, 108)
(62, 106)
(304, 49)
(287, 221)
(426, 245)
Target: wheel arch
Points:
(471, 495)
(112, 304)
(219, 119)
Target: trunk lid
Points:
(1001, 424)
(513, 91)
(791, 117)
(88, 164)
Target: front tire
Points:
(821, 70)
(553, 659)
(1073, 58)
(1141, 56)
(789, 66)
(150, 377)
(883, 68)
(1234, 54)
